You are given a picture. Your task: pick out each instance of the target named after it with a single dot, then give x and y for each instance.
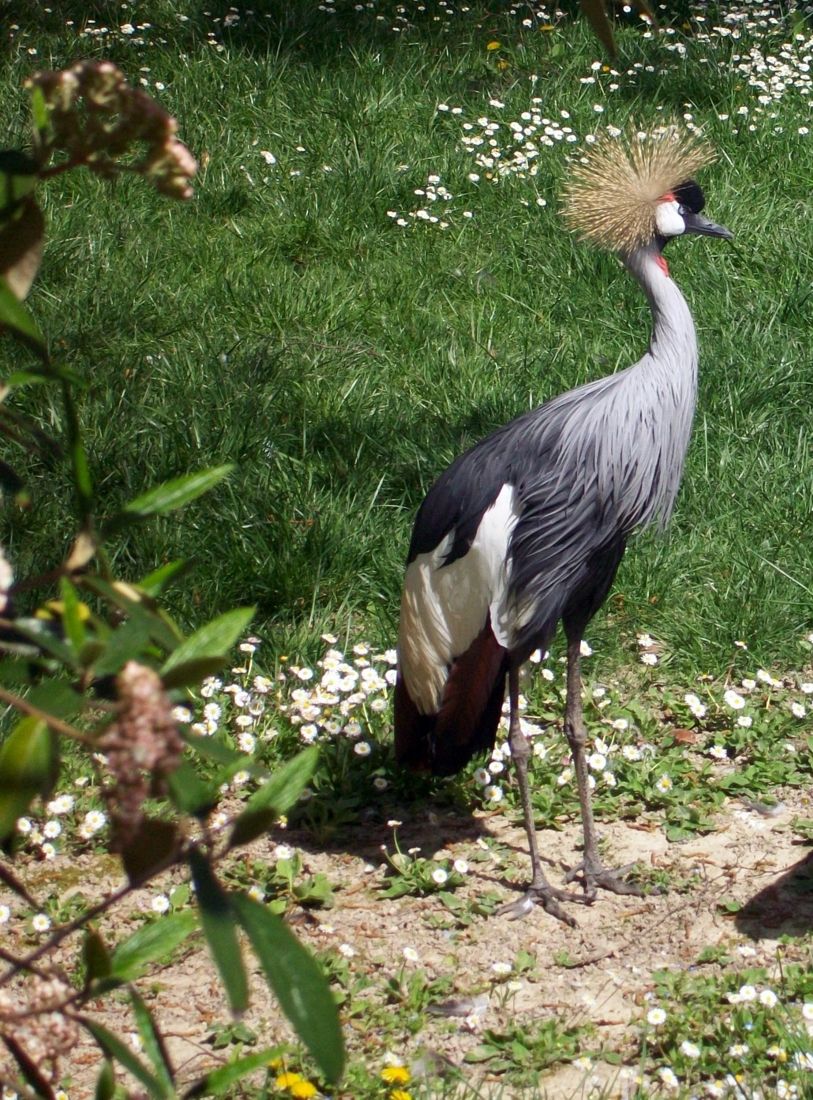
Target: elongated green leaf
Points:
(105, 1082)
(150, 944)
(40, 116)
(217, 919)
(189, 793)
(28, 764)
(56, 697)
(114, 1048)
(83, 482)
(191, 673)
(298, 984)
(215, 639)
(96, 957)
(43, 635)
(176, 493)
(152, 1041)
(14, 315)
(18, 177)
(212, 748)
(276, 796)
(595, 12)
(74, 613)
(160, 629)
(126, 643)
(219, 1080)
(155, 583)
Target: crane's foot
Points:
(548, 897)
(594, 876)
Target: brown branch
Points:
(78, 923)
(10, 879)
(56, 724)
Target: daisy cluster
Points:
(752, 1026)
(340, 699)
(433, 206)
(500, 147)
(775, 61)
(748, 708)
(411, 873)
(775, 73)
(62, 820)
(764, 716)
(402, 18)
(339, 696)
(512, 148)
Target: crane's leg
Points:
(592, 871)
(540, 890)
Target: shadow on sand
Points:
(784, 908)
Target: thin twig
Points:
(78, 923)
(56, 724)
(10, 879)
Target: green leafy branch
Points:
(100, 664)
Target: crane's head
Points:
(679, 211)
(630, 192)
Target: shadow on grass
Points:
(785, 908)
(319, 32)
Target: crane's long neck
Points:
(661, 388)
(673, 343)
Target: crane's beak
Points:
(698, 223)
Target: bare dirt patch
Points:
(598, 973)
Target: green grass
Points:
(285, 322)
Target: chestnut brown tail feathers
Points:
(466, 723)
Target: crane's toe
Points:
(548, 897)
(595, 876)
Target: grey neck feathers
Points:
(663, 387)
(673, 342)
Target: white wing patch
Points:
(444, 607)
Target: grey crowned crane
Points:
(528, 528)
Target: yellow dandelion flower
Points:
(502, 63)
(400, 1094)
(288, 1080)
(303, 1090)
(395, 1075)
(547, 27)
(493, 44)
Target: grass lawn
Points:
(371, 277)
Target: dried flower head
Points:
(35, 1019)
(95, 119)
(613, 192)
(142, 747)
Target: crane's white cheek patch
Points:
(668, 219)
(444, 607)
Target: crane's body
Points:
(527, 529)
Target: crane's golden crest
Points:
(613, 191)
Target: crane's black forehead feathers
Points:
(690, 194)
